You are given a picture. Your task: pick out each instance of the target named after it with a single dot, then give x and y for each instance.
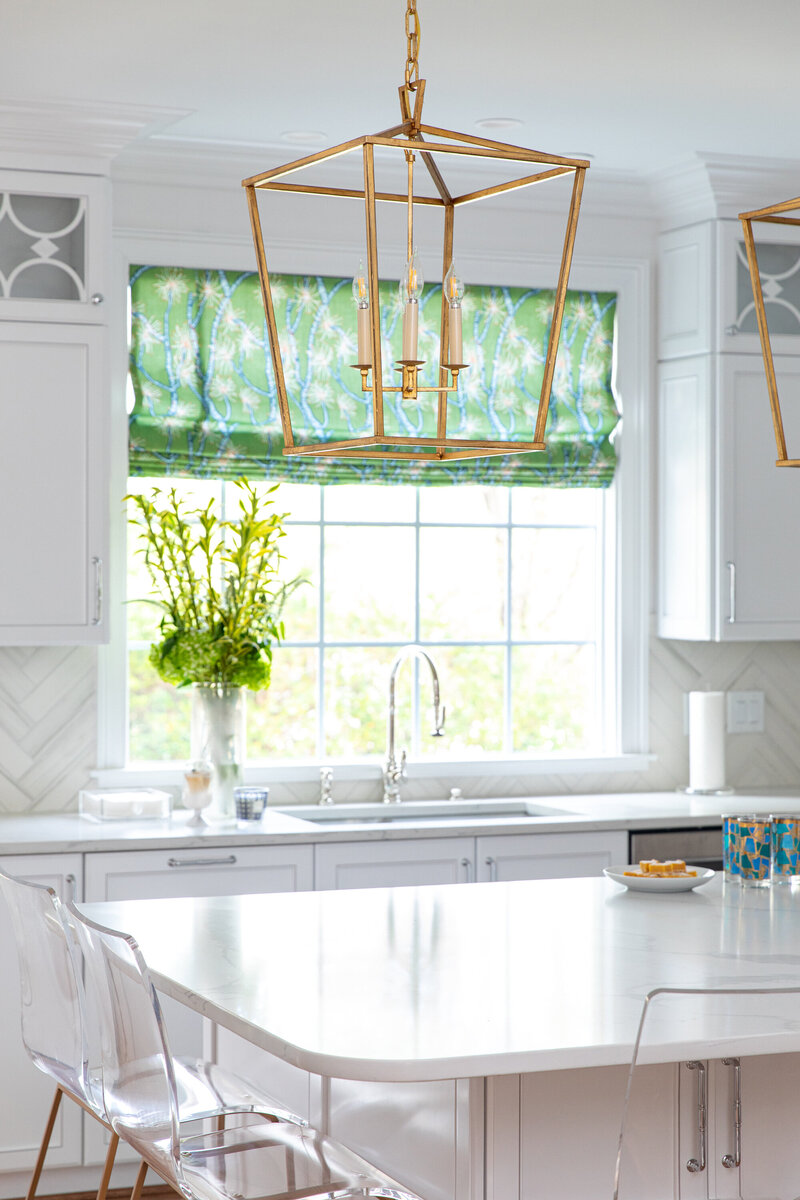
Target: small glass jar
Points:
(250, 803)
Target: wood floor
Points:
(157, 1192)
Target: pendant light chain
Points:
(413, 38)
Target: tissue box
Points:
(124, 804)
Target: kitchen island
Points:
(470, 1039)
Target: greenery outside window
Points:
(502, 586)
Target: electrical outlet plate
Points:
(745, 712)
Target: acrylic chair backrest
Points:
(712, 1105)
(139, 1089)
(53, 1024)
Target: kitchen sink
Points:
(416, 811)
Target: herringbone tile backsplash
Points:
(48, 728)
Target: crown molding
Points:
(712, 186)
(74, 136)
(164, 160)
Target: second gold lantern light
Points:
(430, 145)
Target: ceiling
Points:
(637, 86)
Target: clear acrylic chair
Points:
(244, 1161)
(60, 1030)
(712, 1105)
(53, 1019)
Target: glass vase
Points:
(218, 736)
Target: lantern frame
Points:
(773, 214)
(410, 138)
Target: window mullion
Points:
(508, 728)
(322, 751)
(415, 704)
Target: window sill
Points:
(369, 770)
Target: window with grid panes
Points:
(504, 587)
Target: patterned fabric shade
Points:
(205, 401)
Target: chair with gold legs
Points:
(53, 1024)
(60, 1030)
(245, 1160)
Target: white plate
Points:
(644, 884)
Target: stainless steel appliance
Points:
(701, 847)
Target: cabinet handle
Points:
(97, 563)
(731, 592)
(69, 883)
(735, 1159)
(699, 1164)
(466, 863)
(227, 861)
(491, 863)
(97, 297)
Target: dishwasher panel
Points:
(700, 847)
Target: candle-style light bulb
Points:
(410, 291)
(361, 297)
(454, 293)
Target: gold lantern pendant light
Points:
(412, 138)
(773, 214)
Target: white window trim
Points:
(630, 279)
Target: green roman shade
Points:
(205, 402)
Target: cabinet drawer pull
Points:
(735, 1159)
(699, 1164)
(97, 563)
(466, 863)
(491, 863)
(732, 593)
(227, 861)
(69, 885)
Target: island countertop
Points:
(426, 983)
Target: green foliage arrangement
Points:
(216, 583)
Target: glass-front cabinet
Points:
(54, 407)
(54, 233)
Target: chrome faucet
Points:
(393, 772)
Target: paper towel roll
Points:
(706, 741)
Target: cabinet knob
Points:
(97, 298)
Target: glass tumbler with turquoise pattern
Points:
(754, 850)
(785, 847)
(732, 844)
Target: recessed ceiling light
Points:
(304, 137)
(499, 123)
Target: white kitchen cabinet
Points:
(548, 855)
(29, 1093)
(729, 518)
(156, 874)
(567, 1127)
(394, 864)
(55, 245)
(53, 483)
(55, 236)
(685, 291)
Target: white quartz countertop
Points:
(452, 982)
(52, 833)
